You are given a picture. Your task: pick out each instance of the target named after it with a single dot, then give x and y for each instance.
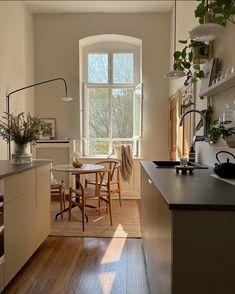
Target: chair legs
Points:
(110, 209)
(70, 202)
(62, 200)
(81, 206)
(119, 194)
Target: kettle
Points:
(226, 169)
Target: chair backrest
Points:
(113, 166)
(100, 176)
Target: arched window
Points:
(110, 72)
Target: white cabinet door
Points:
(19, 221)
(20, 244)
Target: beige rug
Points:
(126, 222)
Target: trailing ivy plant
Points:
(184, 60)
(215, 11)
(218, 129)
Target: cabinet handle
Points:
(150, 182)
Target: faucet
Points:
(196, 138)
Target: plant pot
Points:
(22, 154)
(230, 140)
(199, 55)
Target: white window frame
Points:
(110, 85)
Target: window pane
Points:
(122, 113)
(123, 68)
(98, 68)
(98, 112)
(98, 147)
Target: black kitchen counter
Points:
(199, 191)
(7, 168)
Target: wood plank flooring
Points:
(84, 266)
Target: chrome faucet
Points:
(196, 138)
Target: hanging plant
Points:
(188, 60)
(215, 11)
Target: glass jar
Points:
(229, 113)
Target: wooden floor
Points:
(84, 266)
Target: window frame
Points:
(84, 110)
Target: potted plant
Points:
(219, 130)
(23, 130)
(212, 15)
(190, 58)
(216, 11)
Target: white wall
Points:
(185, 21)
(16, 59)
(57, 54)
(224, 50)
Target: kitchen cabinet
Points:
(187, 224)
(156, 234)
(26, 215)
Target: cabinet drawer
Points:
(43, 175)
(17, 209)
(18, 184)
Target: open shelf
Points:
(220, 86)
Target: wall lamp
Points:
(65, 98)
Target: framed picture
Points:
(50, 132)
(210, 69)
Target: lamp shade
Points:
(206, 32)
(66, 98)
(175, 74)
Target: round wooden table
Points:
(84, 169)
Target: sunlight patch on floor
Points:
(106, 281)
(114, 251)
(119, 231)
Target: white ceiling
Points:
(99, 6)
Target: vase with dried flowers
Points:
(23, 129)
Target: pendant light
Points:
(175, 73)
(208, 31)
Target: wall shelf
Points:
(220, 86)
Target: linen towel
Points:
(124, 153)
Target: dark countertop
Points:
(199, 191)
(7, 168)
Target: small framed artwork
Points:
(50, 131)
(210, 69)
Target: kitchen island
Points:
(188, 229)
(26, 218)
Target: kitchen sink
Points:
(173, 163)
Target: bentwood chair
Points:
(115, 187)
(58, 191)
(78, 197)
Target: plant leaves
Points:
(184, 53)
(183, 41)
(177, 55)
(194, 80)
(196, 66)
